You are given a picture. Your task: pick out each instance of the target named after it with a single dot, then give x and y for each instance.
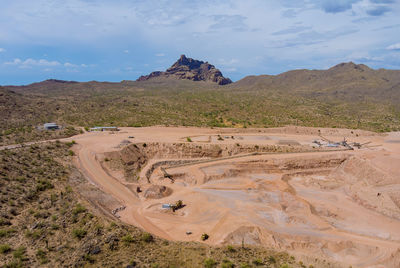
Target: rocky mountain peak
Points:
(348, 66)
(191, 69)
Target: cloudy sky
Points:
(114, 40)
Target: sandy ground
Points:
(340, 206)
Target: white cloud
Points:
(126, 51)
(28, 63)
(41, 62)
(14, 62)
(394, 47)
(160, 54)
(70, 65)
(229, 62)
(2, 50)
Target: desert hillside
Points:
(346, 95)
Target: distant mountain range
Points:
(193, 92)
(345, 81)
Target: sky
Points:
(116, 40)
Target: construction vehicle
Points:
(345, 143)
(178, 205)
(167, 175)
(359, 145)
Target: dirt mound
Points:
(357, 169)
(157, 192)
(247, 235)
(369, 186)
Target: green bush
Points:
(230, 248)
(227, 264)
(78, 209)
(209, 263)
(271, 259)
(19, 253)
(71, 143)
(189, 139)
(79, 233)
(146, 237)
(43, 185)
(128, 239)
(4, 248)
(42, 256)
(258, 262)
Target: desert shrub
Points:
(209, 263)
(227, 264)
(89, 258)
(146, 237)
(43, 185)
(257, 262)
(189, 139)
(19, 253)
(79, 233)
(271, 259)
(78, 209)
(71, 143)
(127, 239)
(33, 234)
(42, 256)
(230, 248)
(5, 248)
(7, 232)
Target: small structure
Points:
(104, 129)
(50, 126)
(166, 206)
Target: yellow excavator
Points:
(178, 204)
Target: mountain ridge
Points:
(188, 68)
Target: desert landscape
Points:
(258, 172)
(214, 134)
(267, 187)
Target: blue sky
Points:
(118, 40)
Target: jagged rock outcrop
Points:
(195, 70)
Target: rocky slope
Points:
(195, 70)
(343, 82)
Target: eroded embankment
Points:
(134, 157)
(336, 204)
(301, 204)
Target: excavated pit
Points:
(333, 205)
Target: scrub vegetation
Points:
(345, 96)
